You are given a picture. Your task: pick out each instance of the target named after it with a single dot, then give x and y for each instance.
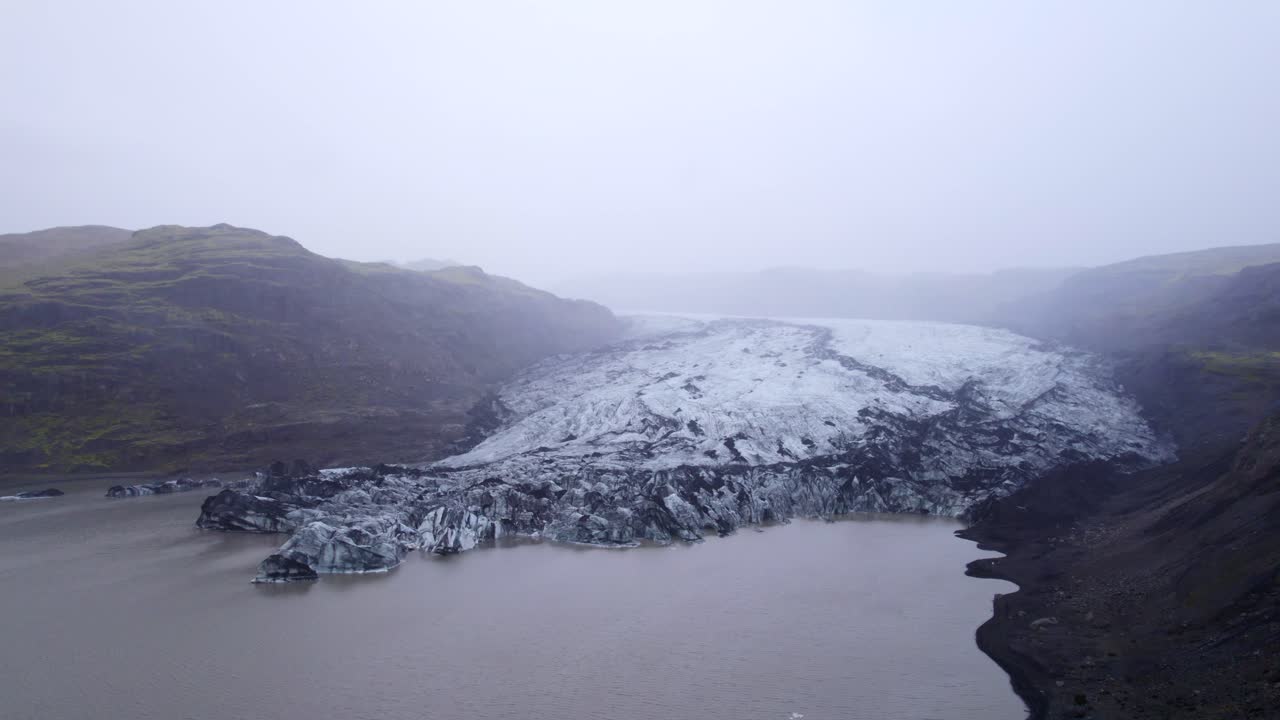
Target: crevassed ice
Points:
(781, 391)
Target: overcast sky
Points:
(540, 139)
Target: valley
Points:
(696, 427)
(1090, 431)
(639, 361)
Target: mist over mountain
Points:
(1148, 300)
(221, 346)
(1194, 333)
(428, 264)
(1196, 336)
(808, 292)
(1072, 304)
(825, 284)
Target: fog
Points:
(547, 139)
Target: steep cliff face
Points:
(198, 347)
(692, 427)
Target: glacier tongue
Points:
(762, 393)
(695, 426)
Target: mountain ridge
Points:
(222, 346)
(1000, 297)
(26, 255)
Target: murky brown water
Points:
(123, 609)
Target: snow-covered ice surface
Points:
(707, 393)
(690, 425)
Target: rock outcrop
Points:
(691, 428)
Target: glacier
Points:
(691, 425)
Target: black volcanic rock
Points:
(165, 487)
(1164, 580)
(35, 494)
(50, 492)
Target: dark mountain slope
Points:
(1142, 302)
(1201, 350)
(224, 346)
(1163, 588)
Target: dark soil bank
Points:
(1153, 595)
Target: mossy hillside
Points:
(97, 438)
(1202, 360)
(27, 255)
(168, 351)
(1257, 367)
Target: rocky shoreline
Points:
(1146, 595)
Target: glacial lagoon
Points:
(124, 609)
